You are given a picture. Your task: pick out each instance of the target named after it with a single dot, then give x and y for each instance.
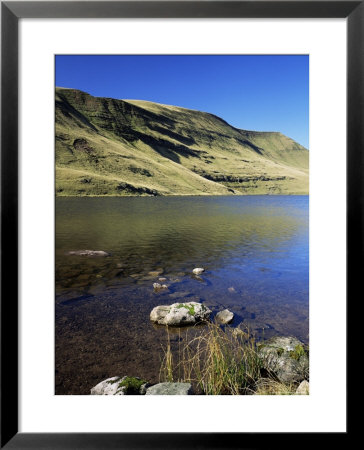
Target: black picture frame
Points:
(11, 12)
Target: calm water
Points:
(254, 250)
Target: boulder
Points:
(121, 386)
(170, 389)
(88, 253)
(198, 270)
(303, 388)
(108, 387)
(232, 290)
(180, 314)
(286, 358)
(224, 317)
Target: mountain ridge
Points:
(113, 147)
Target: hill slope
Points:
(116, 147)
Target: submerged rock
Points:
(170, 389)
(198, 270)
(286, 358)
(180, 314)
(121, 386)
(224, 317)
(88, 253)
(251, 325)
(182, 294)
(197, 278)
(303, 388)
(156, 273)
(158, 287)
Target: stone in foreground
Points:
(224, 317)
(198, 270)
(303, 388)
(88, 253)
(170, 389)
(180, 314)
(120, 386)
(286, 357)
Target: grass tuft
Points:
(190, 308)
(267, 386)
(297, 353)
(132, 385)
(216, 362)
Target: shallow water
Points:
(254, 250)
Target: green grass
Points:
(132, 385)
(297, 353)
(216, 362)
(190, 308)
(108, 147)
(220, 361)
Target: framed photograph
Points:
(181, 221)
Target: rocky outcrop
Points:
(180, 314)
(286, 358)
(121, 386)
(224, 317)
(170, 389)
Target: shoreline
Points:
(181, 195)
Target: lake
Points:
(255, 251)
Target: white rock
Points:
(303, 388)
(113, 386)
(180, 314)
(108, 387)
(170, 389)
(224, 317)
(158, 313)
(158, 286)
(198, 270)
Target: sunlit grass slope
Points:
(115, 147)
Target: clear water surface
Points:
(254, 250)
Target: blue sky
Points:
(252, 92)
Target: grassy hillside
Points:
(116, 147)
